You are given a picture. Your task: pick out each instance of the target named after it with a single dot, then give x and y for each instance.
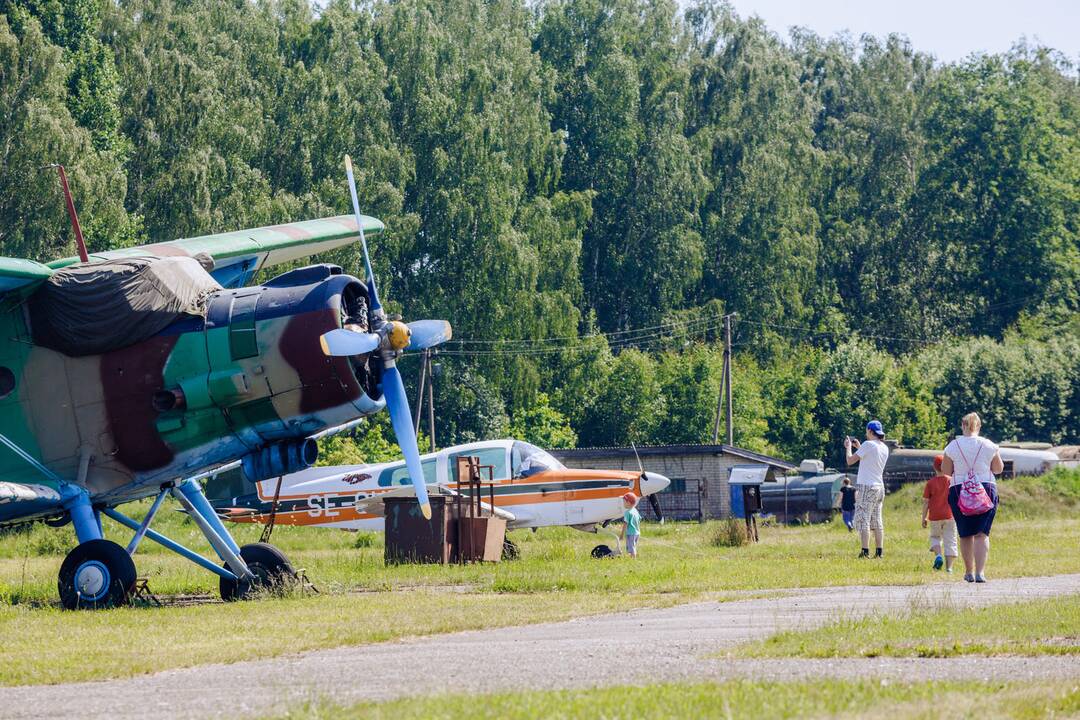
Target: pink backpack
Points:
(973, 498)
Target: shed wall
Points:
(711, 468)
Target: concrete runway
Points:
(642, 646)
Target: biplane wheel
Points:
(96, 574)
(273, 573)
(601, 551)
(510, 550)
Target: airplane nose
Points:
(653, 483)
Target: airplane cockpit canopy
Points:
(102, 306)
(528, 459)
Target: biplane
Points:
(136, 373)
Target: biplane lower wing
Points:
(23, 501)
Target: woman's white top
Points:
(971, 451)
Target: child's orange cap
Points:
(630, 498)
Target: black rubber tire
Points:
(510, 550)
(112, 560)
(273, 573)
(602, 551)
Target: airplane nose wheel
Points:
(273, 573)
(96, 574)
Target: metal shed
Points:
(699, 473)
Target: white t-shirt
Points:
(874, 454)
(971, 451)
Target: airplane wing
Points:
(21, 277)
(19, 501)
(374, 503)
(240, 254)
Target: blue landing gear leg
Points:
(263, 568)
(98, 573)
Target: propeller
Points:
(655, 502)
(389, 338)
(428, 333)
(343, 342)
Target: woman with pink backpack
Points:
(973, 461)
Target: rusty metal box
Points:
(481, 539)
(411, 538)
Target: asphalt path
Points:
(641, 646)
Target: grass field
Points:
(363, 601)
(827, 698)
(1042, 627)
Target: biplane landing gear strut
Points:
(100, 573)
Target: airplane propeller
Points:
(389, 338)
(655, 502)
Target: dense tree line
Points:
(584, 187)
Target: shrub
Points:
(366, 539)
(730, 533)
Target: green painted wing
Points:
(256, 248)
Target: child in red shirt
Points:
(936, 510)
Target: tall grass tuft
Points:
(366, 539)
(730, 533)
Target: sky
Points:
(948, 29)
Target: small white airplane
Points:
(530, 489)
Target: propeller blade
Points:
(401, 419)
(429, 333)
(375, 304)
(655, 502)
(342, 342)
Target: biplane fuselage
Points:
(246, 380)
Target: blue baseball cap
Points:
(875, 427)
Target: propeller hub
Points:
(398, 335)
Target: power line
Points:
(826, 333)
(642, 338)
(575, 338)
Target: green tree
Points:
(751, 123)
(37, 128)
(789, 387)
(859, 383)
(1022, 389)
(629, 406)
(993, 219)
(543, 425)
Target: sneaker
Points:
(864, 553)
(948, 570)
(878, 553)
(980, 578)
(938, 562)
(968, 577)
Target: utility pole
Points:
(725, 387)
(419, 405)
(431, 398)
(727, 379)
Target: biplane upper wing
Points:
(21, 277)
(240, 254)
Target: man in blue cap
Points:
(870, 485)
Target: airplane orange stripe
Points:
(547, 476)
(346, 514)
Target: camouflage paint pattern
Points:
(251, 372)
